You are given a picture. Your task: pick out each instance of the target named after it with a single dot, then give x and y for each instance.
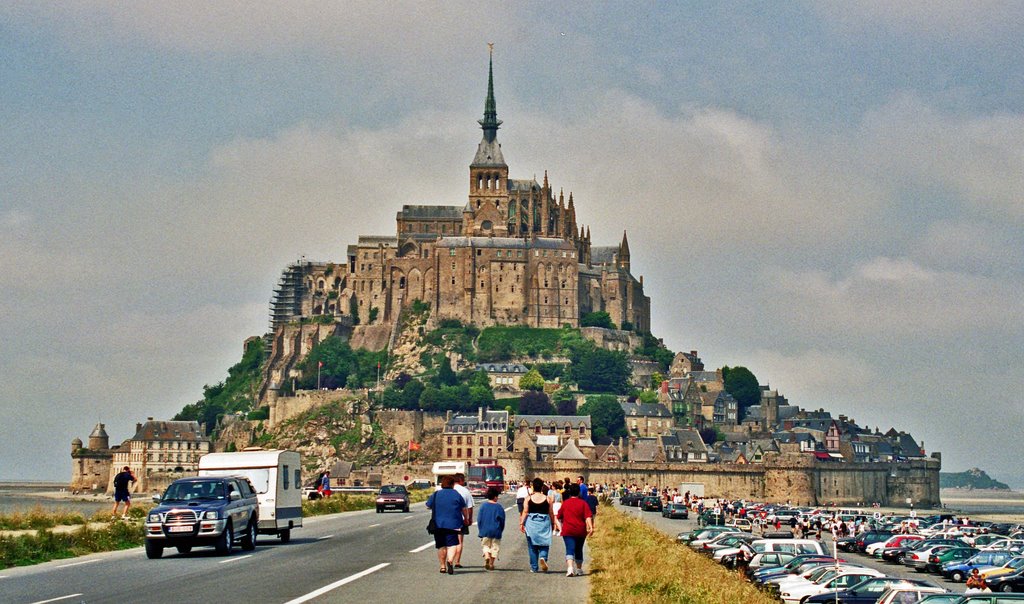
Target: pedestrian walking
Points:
(460, 486)
(537, 523)
(121, 493)
(577, 524)
(325, 484)
(449, 512)
(490, 524)
(521, 494)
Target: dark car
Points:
(675, 510)
(1007, 583)
(392, 497)
(866, 539)
(631, 499)
(203, 511)
(866, 592)
(651, 503)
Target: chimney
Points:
(138, 426)
(480, 414)
(664, 387)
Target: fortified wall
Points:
(781, 479)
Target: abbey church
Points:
(512, 254)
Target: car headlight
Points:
(380, 500)
(153, 518)
(211, 515)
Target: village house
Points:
(472, 437)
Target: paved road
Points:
(674, 527)
(353, 557)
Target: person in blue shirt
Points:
(490, 522)
(450, 512)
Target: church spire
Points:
(490, 123)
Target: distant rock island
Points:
(971, 479)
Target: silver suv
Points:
(203, 511)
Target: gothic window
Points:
(481, 451)
(478, 204)
(486, 225)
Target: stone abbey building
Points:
(512, 254)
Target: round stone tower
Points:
(76, 444)
(98, 439)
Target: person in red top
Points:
(577, 524)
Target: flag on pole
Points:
(414, 446)
(319, 364)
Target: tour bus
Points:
(489, 472)
(277, 478)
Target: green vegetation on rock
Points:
(235, 394)
(971, 479)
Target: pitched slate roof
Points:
(603, 254)
(415, 212)
(558, 421)
(570, 451)
(645, 409)
(171, 430)
(644, 449)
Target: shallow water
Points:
(24, 499)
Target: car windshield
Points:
(194, 491)
(392, 490)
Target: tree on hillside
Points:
(533, 380)
(565, 401)
(709, 436)
(647, 397)
(742, 385)
(597, 319)
(535, 403)
(607, 419)
(445, 376)
(599, 370)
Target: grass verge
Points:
(634, 563)
(45, 545)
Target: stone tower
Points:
(98, 439)
(485, 212)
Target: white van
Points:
(448, 468)
(277, 477)
(789, 546)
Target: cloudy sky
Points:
(829, 193)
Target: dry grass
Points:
(633, 563)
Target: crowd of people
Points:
(560, 508)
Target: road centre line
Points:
(509, 508)
(373, 525)
(421, 548)
(236, 559)
(337, 584)
(324, 537)
(78, 563)
(57, 599)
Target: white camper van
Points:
(277, 477)
(448, 468)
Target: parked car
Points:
(651, 503)
(867, 591)
(631, 499)
(908, 594)
(203, 511)
(866, 539)
(419, 483)
(392, 496)
(1008, 582)
(958, 571)
(944, 556)
(675, 510)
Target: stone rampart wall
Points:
(794, 479)
(283, 408)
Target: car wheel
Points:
(901, 558)
(184, 549)
(406, 508)
(154, 550)
(286, 535)
(1005, 588)
(957, 576)
(225, 541)
(379, 509)
(249, 540)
